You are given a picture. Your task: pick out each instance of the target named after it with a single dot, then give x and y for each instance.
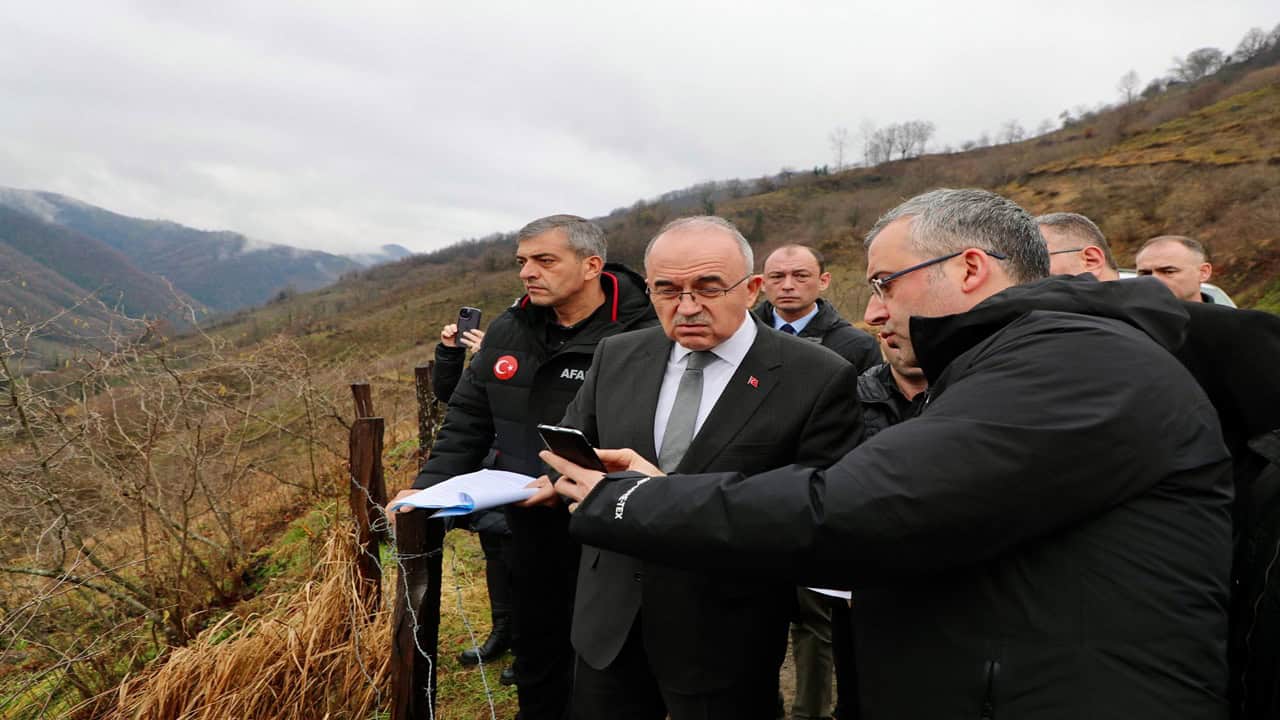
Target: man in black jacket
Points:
(794, 278)
(886, 393)
(532, 362)
(1049, 538)
(489, 525)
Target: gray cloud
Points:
(343, 128)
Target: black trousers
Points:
(544, 572)
(845, 662)
(497, 573)
(628, 690)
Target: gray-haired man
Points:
(531, 364)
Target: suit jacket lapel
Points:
(755, 378)
(649, 366)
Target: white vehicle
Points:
(1217, 294)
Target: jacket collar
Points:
(1143, 303)
(824, 322)
(625, 303)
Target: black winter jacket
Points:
(835, 333)
(1050, 537)
(517, 380)
(446, 371)
(883, 404)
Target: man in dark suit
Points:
(712, 389)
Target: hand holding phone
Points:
(571, 445)
(468, 319)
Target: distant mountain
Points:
(222, 270)
(386, 253)
(47, 268)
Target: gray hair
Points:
(1081, 227)
(706, 222)
(946, 221)
(1182, 240)
(585, 237)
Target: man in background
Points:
(795, 276)
(1179, 262)
(1076, 246)
(488, 525)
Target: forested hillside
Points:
(172, 522)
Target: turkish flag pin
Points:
(753, 382)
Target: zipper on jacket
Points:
(989, 699)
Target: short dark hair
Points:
(822, 261)
(947, 220)
(585, 237)
(1182, 240)
(1081, 227)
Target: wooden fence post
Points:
(368, 495)
(416, 621)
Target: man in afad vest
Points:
(531, 364)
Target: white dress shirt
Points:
(715, 377)
(797, 325)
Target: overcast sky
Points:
(336, 127)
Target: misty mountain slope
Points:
(50, 268)
(221, 269)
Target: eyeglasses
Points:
(706, 293)
(879, 284)
(1068, 250)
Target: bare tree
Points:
(1045, 127)
(1197, 64)
(1011, 132)
(903, 140)
(124, 479)
(1128, 86)
(919, 132)
(839, 140)
(880, 144)
(867, 130)
(1253, 44)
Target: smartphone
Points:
(571, 445)
(468, 319)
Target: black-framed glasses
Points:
(667, 292)
(1068, 250)
(880, 283)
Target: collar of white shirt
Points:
(797, 325)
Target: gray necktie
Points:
(684, 413)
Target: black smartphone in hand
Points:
(468, 319)
(571, 445)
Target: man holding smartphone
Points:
(712, 389)
(533, 360)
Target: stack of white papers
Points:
(465, 494)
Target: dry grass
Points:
(316, 654)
